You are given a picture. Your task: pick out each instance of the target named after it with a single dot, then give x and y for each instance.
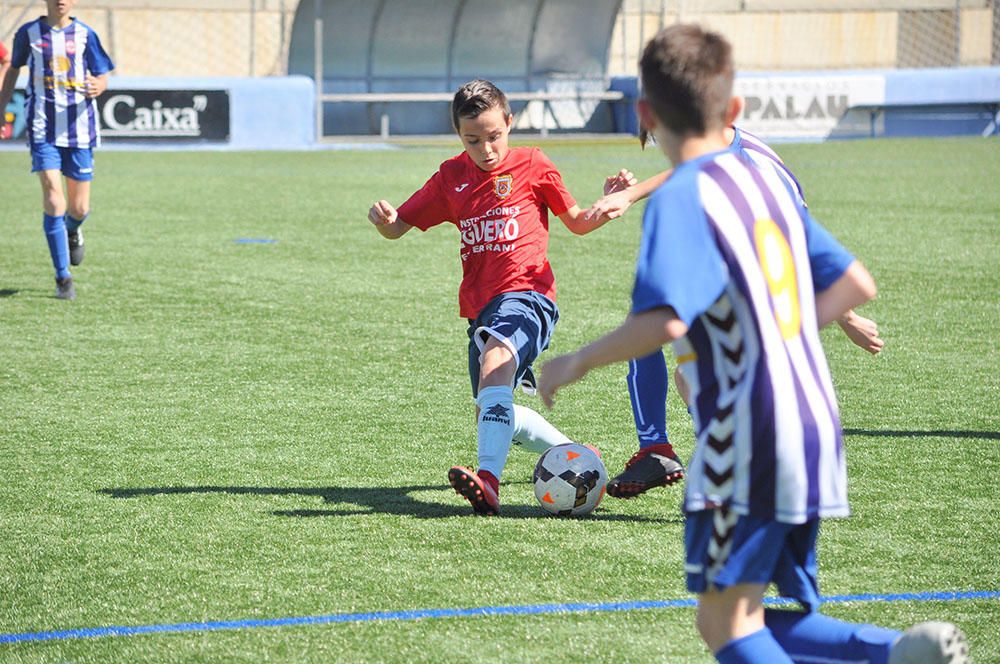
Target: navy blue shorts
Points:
(74, 163)
(523, 322)
(723, 549)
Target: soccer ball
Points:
(569, 480)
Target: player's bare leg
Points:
(53, 199)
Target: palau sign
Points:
(164, 115)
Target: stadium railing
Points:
(419, 97)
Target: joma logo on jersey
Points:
(503, 185)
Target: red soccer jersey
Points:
(502, 218)
(3, 52)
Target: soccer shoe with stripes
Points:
(650, 467)
(931, 643)
(65, 290)
(75, 239)
(471, 487)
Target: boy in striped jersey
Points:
(656, 463)
(67, 70)
(735, 272)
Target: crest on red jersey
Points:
(503, 185)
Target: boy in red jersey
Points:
(499, 198)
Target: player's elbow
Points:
(864, 283)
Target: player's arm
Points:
(9, 82)
(862, 331)
(577, 222)
(617, 200)
(386, 220)
(639, 335)
(852, 289)
(94, 86)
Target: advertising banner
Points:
(170, 115)
(147, 115)
(806, 106)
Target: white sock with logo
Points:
(535, 433)
(496, 427)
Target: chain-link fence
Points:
(180, 37)
(251, 37)
(776, 35)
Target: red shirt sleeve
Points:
(3, 53)
(428, 206)
(549, 185)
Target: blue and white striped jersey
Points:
(728, 245)
(762, 154)
(58, 60)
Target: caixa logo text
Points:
(124, 115)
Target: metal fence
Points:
(184, 38)
(776, 35)
(188, 38)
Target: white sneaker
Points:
(931, 643)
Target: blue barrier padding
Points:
(623, 112)
(918, 102)
(961, 86)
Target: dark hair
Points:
(474, 98)
(687, 77)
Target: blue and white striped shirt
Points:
(729, 246)
(58, 60)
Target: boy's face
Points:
(60, 7)
(484, 137)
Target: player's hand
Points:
(610, 206)
(94, 86)
(862, 331)
(622, 180)
(382, 214)
(557, 372)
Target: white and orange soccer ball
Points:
(569, 480)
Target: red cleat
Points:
(470, 486)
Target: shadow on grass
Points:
(889, 433)
(9, 292)
(374, 500)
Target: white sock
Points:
(496, 427)
(535, 433)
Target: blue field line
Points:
(420, 614)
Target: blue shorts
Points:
(754, 550)
(523, 322)
(75, 163)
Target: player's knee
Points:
(497, 364)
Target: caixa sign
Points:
(188, 115)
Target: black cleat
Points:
(648, 468)
(65, 289)
(75, 246)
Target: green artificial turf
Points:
(226, 431)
